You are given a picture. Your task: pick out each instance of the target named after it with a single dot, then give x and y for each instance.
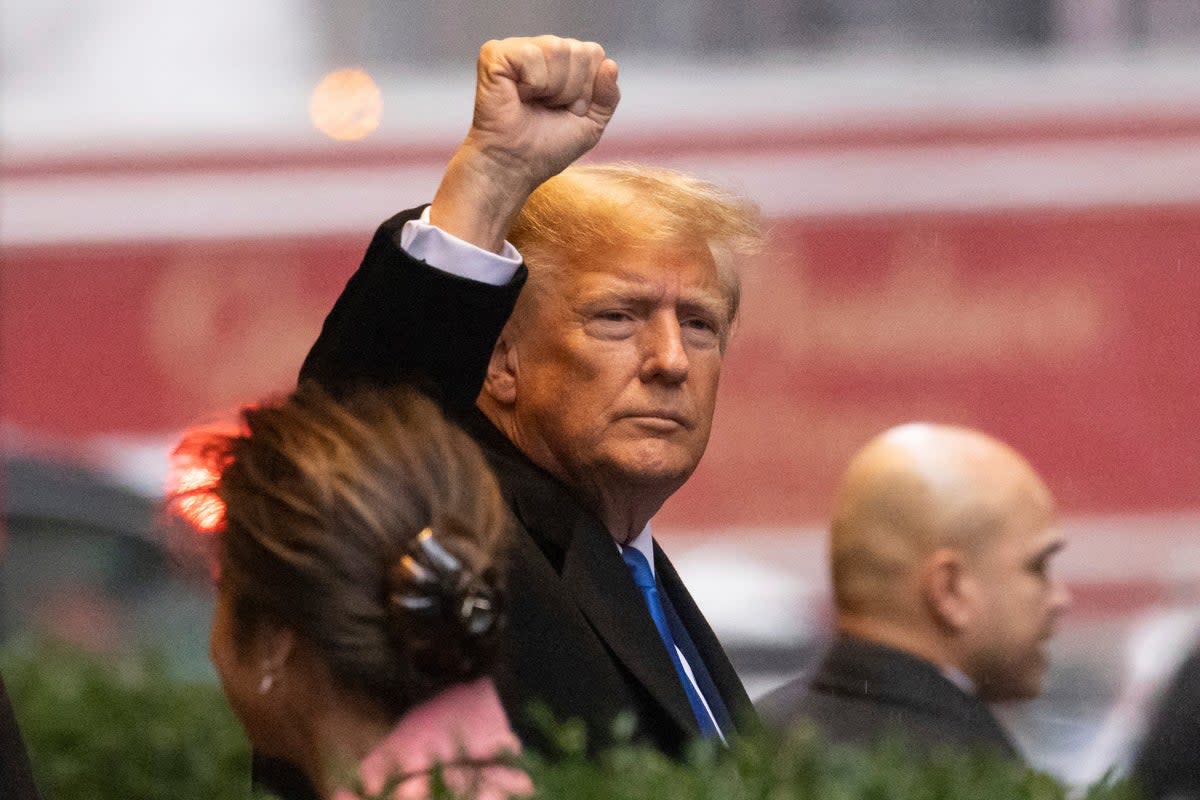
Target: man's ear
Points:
(501, 380)
(947, 589)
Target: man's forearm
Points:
(477, 202)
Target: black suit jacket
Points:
(863, 692)
(580, 639)
(16, 778)
(1168, 762)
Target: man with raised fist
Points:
(573, 319)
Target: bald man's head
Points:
(914, 489)
(940, 544)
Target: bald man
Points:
(941, 545)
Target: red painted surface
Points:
(148, 337)
(1072, 335)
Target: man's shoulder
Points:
(545, 511)
(778, 708)
(838, 716)
(865, 721)
(864, 692)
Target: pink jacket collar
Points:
(466, 720)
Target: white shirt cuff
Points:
(438, 249)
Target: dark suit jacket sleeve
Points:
(16, 777)
(400, 320)
(1168, 764)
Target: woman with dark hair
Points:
(359, 592)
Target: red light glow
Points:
(195, 500)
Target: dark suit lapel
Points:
(597, 577)
(728, 684)
(591, 569)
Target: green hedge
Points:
(124, 729)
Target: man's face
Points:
(616, 368)
(1018, 603)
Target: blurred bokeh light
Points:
(346, 105)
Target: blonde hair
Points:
(592, 209)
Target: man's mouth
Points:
(658, 420)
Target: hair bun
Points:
(444, 608)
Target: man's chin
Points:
(654, 465)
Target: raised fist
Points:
(540, 103)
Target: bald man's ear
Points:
(501, 380)
(946, 589)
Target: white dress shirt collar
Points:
(644, 544)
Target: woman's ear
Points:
(274, 648)
(947, 588)
(500, 382)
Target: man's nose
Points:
(664, 356)
(1062, 599)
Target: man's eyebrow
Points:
(701, 299)
(711, 304)
(1049, 549)
(630, 291)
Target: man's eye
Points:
(702, 327)
(612, 323)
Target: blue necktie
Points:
(643, 576)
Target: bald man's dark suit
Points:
(580, 638)
(16, 777)
(863, 692)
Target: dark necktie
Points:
(643, 576)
